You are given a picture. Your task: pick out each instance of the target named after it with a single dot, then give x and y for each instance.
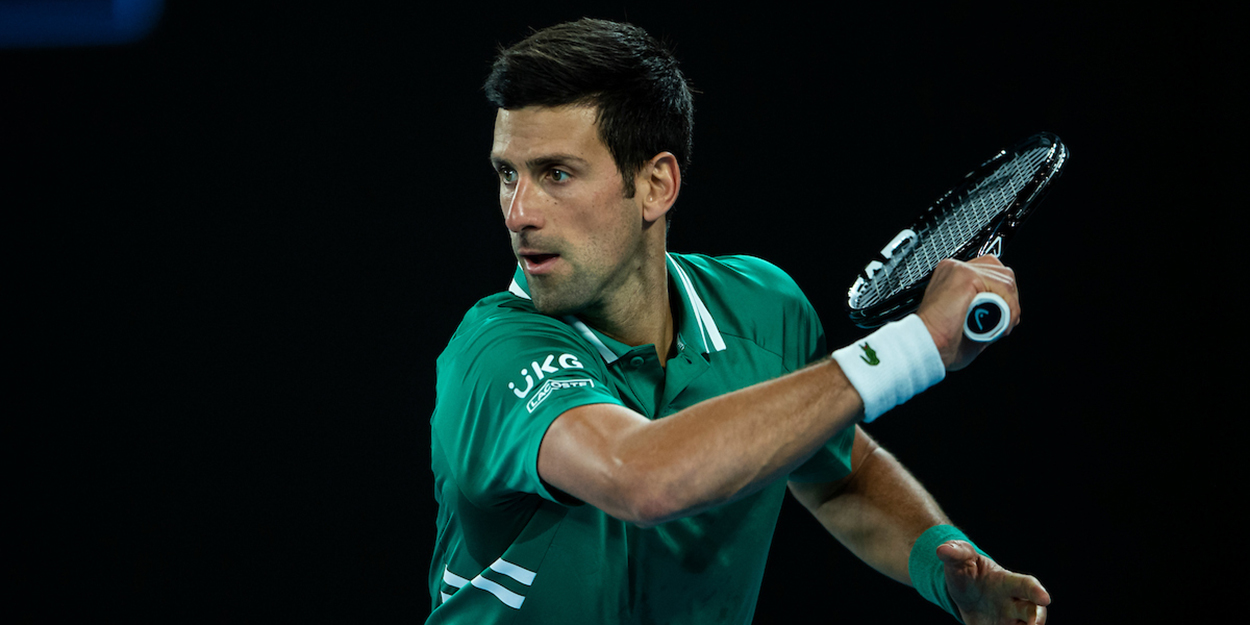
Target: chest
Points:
(689, 377)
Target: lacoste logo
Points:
(555, 385)
(870, 355)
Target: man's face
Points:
(577, 237)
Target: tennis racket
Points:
(973, 219)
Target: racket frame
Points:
(989, 239)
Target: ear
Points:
(657, 186)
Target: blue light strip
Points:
(68, 23)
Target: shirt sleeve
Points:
(806, 344)
(499, 388)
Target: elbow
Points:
(647, 500)
(650, 509)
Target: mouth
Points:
(538, 264)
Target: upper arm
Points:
(499, 389)
(815, 494)
(582, 456)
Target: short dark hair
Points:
(644, 103)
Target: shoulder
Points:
(739, 276)
(507, 373)
(756, 301)
(502, 333)
(504, 319)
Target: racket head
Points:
(974, 218)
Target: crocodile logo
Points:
(870, 355)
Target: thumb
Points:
(955, 553)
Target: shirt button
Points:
(636, 362)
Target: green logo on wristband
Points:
(871, 358)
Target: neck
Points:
(642, 313)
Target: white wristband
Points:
(892, 365)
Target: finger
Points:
(986, 260)
(1032, 615)
(1001, 280)
(1028, 588)
(1023, 612)
(998, 272)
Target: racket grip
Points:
(987, 318)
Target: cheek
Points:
(618, 230)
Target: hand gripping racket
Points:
(973, 219)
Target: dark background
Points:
(236, 248)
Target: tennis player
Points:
(615, 431)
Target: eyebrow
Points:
(539, 162)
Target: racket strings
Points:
(958, 219)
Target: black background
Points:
(237, 247)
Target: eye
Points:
(507, 175)
(558, 175)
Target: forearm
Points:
(878, 512)
(711, 453)
(733, 445)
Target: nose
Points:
(521, 206)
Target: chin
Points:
(553, 305)
(553, 309)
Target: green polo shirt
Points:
(510, 551)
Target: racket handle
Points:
(987, 318)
